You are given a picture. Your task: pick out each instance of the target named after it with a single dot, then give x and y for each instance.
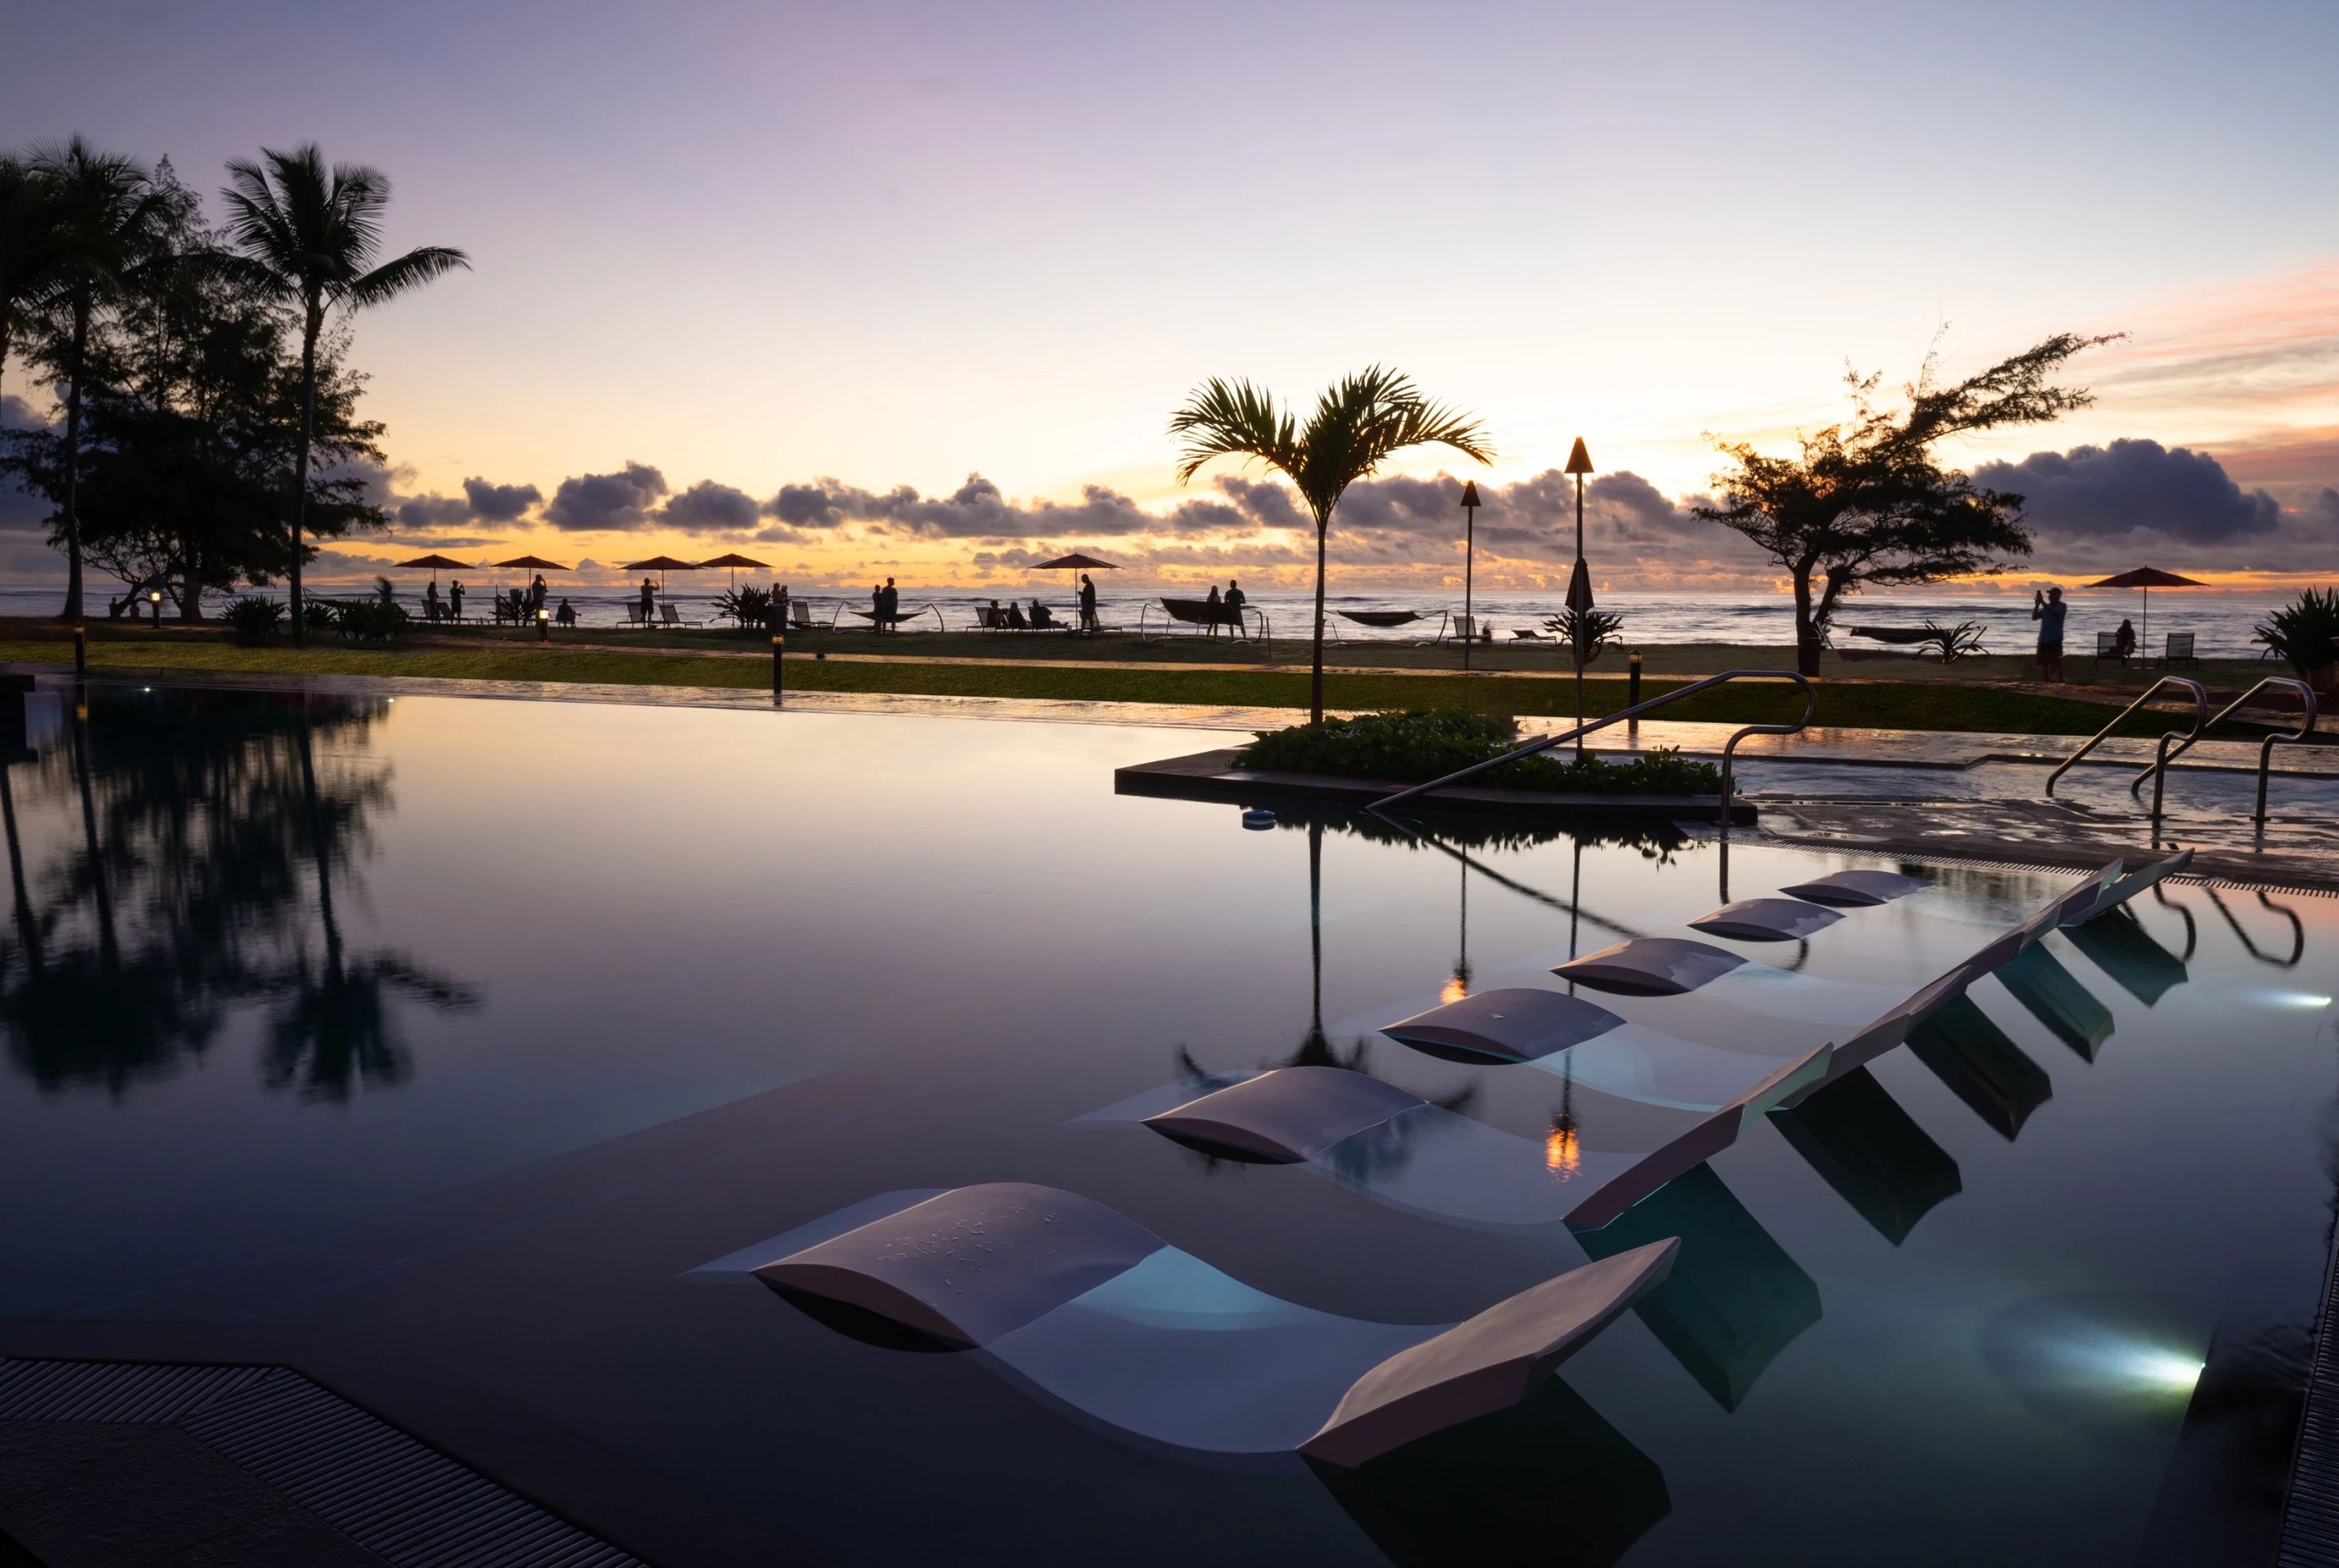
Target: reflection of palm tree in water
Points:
(1360, 1157)
(332, 1028)
(193, 821)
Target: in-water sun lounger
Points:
(1081, 1304)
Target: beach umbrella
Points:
(662, 565)
(1076, 562)
(531, 564)
(732, 563)
(2147, 578)
(434, 563)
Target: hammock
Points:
(1383, 616)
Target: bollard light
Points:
(154, 597)
(544, 624)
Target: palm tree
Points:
(310, 238)
(1359, 423)
(98, 208)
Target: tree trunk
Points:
(1315, 660)
(300, 462)
(73, 459)
(1806, 630)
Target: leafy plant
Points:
(2305, 634)
(1414, 747)
(1589, 632)
(254, 619)
(373, 620)
(319, 614)
(749, 606)
(1963, 641)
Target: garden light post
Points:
(1580, 584)
(544, 624)
(155, 599)
(1469, 562)
(778, 665)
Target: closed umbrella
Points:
(2147, 578)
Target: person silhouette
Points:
(2049, 611)
(1234, 603)
(455, 599)
(648, 601)
(1088, 604)
(1213, 611)
(565, 615)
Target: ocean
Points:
(2221, 621)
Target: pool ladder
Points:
(1729, 751)
(2176, 743)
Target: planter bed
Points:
(1213, 776)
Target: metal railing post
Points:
(2200, 715)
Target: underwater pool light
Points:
(2165, 1369)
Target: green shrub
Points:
(749, 605)
(1414, 747)
(372, 619)
(2305, 635)
(254, 619)
(319, 614)
(1588, 634)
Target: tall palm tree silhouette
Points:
(309, 238)
(1359, 422)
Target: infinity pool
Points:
(478, 1030)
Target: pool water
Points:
(471, 1028)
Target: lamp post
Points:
(1469, 562)
(155, 599)
(1578, 582)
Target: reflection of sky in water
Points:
(729, 972)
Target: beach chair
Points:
(669, 616)
(2107, 646)
(800, 615)
(2179, 651)
(635, 616)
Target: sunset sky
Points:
(743, 274)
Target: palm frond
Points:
(410, 270)
(1233, 418)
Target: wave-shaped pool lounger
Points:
(1086, 1306)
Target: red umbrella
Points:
(2147, 578)
(533, 564)
(662, 565)
(1076, 562)
(434, 563)
(734, 562)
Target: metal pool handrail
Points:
(1729, 751)
(2160, 759)
(2265, 748)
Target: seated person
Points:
(1041, 615)
(1014, 618)
(565, 614)
(2124, 642)
(993, 617)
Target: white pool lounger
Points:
(1083, 1305)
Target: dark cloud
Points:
(433, 511)
(499, 502)
(1269, 505)
(978, 510)
(2131, 486)
(16, 414)
(707, 507)
(450, 541)
(606, 501)
(2324, 507)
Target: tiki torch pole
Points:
(1580, 585)
(1469, 563)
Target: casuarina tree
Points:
(1358, 424)
(313, 235)
(98, 207)
(1867, 502)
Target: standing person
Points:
(1234, 603)
(876, 607)
(1088, 605)
(537, 593)
(455, 599)
(779, 607)
(648, 601)
(893, 606)
(431, 601)
(2050, 611)
(1212, 610)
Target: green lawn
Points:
(1888, 704)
